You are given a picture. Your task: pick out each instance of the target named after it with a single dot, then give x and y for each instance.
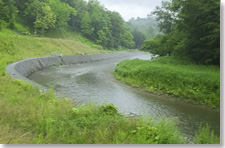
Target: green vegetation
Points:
(16, 47)
(196, 83)
(205, 136)
(143, 29)
(41, 27)
(191, 28)
(91, 19)
(30, 116)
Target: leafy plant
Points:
(148, 131)
(109, 109)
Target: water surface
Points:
(94, 82)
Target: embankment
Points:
(22, 69)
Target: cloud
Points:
(131, 8)
(145, 3)
(131, 11)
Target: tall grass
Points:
(205, 136)
(196, 83)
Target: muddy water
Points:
(94, 82)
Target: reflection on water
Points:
(94, 82)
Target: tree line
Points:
(190, 28)
(91, 19)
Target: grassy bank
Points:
(195, 83)
(16, 47)
(29, 116)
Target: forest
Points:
(91, 19)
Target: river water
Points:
(94, 82)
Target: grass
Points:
(29, 116)
(198, 84)
(205, 136)
(15, 47)
(32, 117)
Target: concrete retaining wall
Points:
(24, 68)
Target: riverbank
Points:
(29, 116)
(193, 83)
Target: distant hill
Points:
(142, 29)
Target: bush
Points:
(21, 29)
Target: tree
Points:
(191, 28)
(8, 12)
(86, 25)
(126, 37)
(200, 21)
(156, 46)
(98, 21)
(21, 6)
(81, 7)
(32, 11)
(116, 27)
(62, 11)
(46, 19)
(138, 39)
(3, 12)
(103, 37)
(167, 16)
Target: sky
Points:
(131, 8)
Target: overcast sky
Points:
(131, 8)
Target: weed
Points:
(109, 109)
(205, 136)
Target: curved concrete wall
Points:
(24, 68)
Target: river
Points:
(94, 82)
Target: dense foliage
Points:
(191, 28)
(91, 19)
(179, 77)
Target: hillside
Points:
(16, 47)
(90, 19)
